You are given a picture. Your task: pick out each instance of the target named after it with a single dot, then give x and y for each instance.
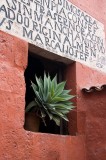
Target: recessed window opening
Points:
(38, 65)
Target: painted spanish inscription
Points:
(57, 26)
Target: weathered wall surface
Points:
(96, 8)
(91, 107)
(89, 118)
(16, 143)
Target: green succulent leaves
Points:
(50, 99)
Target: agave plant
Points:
(50, 98)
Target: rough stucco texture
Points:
(89, 118)
(91, 107)
(16, 143)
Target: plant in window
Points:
(50, 99)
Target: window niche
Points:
(38, 65)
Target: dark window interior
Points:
(37, 65)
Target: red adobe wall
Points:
(87, 122)
(93, 108)
(16, 143)
(89, 119)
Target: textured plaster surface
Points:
(89, 117)
(88, 121)
(16, 143)
(91, 107)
